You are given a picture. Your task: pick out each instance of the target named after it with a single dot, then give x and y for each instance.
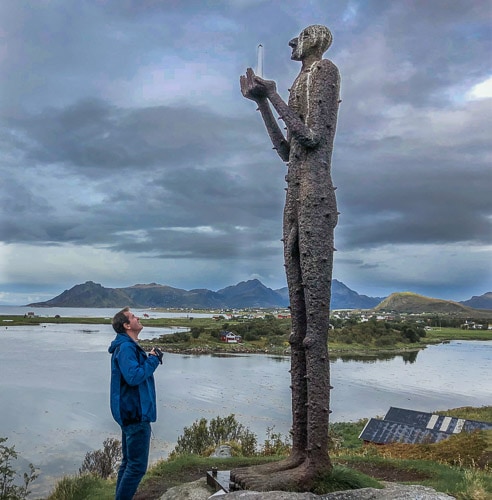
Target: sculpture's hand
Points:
(255, 88)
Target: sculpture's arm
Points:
(254, 87)
(276, 135)
(257, 93)
(297, 129)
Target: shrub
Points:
(202, 436)
(215, 334)
(9, 490)
(473, 486)
(195, 332)
(103, 463)
(175, 338)
(275, 444)
(251, 337)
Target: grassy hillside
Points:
(408, 302)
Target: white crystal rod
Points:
(259, 66)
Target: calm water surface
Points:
(54, 390)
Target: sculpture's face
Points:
(304, 44)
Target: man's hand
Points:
(255, 88)
(157, 353)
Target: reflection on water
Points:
(280, 359)
(407, 357)
(54, 389)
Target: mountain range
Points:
(246, 294)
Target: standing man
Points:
(310, 216)
(133, 402)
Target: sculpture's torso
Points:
(314, 98)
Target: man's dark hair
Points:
(119, 320)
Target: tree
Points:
(103, 463)
(9, 490)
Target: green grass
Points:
(86, 487)
(482, 413)
(441, 334)
(187, 468)
(345, 435)
(206, 341)
(348, 473)
(342, 478)
(167, 474)
(11, 320)
(462, 483)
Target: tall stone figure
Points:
(310, 216)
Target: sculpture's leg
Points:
(296, 340)
(316, 244)
(318, 372)
(246, 476)
(316, 258)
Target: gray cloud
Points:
(123, 135)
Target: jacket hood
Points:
(119, 339)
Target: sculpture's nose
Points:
(293, 43)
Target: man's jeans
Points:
(135, 443)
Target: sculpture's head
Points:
(312, 41)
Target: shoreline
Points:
(237, 349)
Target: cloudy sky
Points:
(128, 154)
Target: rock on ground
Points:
(199, 490)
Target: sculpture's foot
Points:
(243, 475)
(300, 478)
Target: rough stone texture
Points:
(392, 491)
(198, 490)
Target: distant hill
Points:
(407, 302)
(89, 294)
(252, 293)
(342, 297)
(479, 301)
(245, 294)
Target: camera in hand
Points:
(159, 354)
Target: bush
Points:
(202, 436)
(196, 332)
(9, 490)
(103, 463)
(251, 337)
(275, 444)
(267, 327)
(175, 338)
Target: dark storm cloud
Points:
(230, 214)
(94, 134)
(158, 154)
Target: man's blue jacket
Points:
(132, 382)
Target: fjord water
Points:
(54, 390)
